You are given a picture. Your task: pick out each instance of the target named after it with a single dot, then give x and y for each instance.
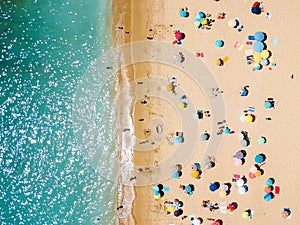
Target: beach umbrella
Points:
(238, 162)
(240, 183)
(259, 36)
(179, 139)
(257, 66)
(286, 213)
(258, 173)
(218, 222)
(195, 174)
(239, 155)
(219, 62)
(204, 22)
(242, 118)
(178, 167)
(205, 137)
(227, 130)
(214, 186)
(270, 182)
(193, 168)
(249, 119)
(178, 212)
(256, 4)
(175, 175)
(225, 187)
(253, 169)
(219, 43)
(259, 46)
(265, 54)
(200, 15)
(233, 23)
(178, 35)
(245, 143)
(246, 215)
(264, 62)
(261, 140)
(171, 209)
(259, 158)
(244, 92)
(252, 175)
(183, 13)
(157, 196)
(182, 105)
(156, 189)
(241, 190)
(257, 57)
(256, 10)
(170, 87)
(267, 104)
(198, 166)
(268, 196)
(268, 189)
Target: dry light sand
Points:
(159, 19)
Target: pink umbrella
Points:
(178, 35)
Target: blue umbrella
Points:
(188, 189)
(175, 175)
(179, 139)
(270, 182)
(259, 36)
(256, 10)
(198, 166)
(227, 130)
(205, 137)
(264, 62)
(214, 186)
(267, 104)
(219, 43)
(244, 92)
(259, 46)
(201, 15)
(183, 13)
(259, 158)
(268, 196)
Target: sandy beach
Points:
(156, 119)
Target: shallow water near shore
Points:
(45, 176)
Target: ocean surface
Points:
(52, 172)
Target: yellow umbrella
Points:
(265, 54)
(157, 196)
(219, 62)
(258, 173)
(182, 105)
(195, 174)
(204, 22)
(257, 57)
(171, 209)
(245, 215)
(170, 87)
(249, 119)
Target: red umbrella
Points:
(218, 222)
(178, 35)
(256, 4)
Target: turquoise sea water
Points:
(45, 176)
